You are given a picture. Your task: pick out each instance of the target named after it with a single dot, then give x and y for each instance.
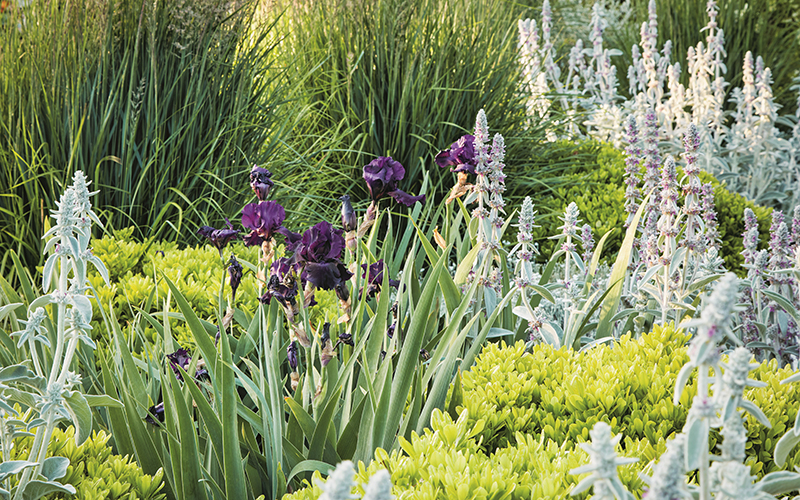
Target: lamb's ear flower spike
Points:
(379, 486)
(340, 483)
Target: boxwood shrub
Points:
(522, 414)
(599, 192)
(94, 471)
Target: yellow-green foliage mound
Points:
(136, 271)
(94, 471)
(522, 413)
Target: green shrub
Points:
(562, 394)
(94, 471)
(524, 412)
(599, 192)
(136, 268)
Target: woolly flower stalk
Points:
(729, 388)
(668, 481)
(780, 249)
(713, 324)
(796, 227)
(691, 190)
(710, 216)
(632, 159)
(669, 209)
(750, 237)
(379, 486)
(652, 160)
(603, 463)
(340, 483)
(587, 243)
(524, 250)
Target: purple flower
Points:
(263, 219)
(374, 278)
(182, 358)
(155, 414)
(291, 355)
(219, 237)
(260, 182)
(461, 155)
(349, 219)
(235, 272)
(382, 175)
(320, 244)
(282, 284)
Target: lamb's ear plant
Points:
(57, 323)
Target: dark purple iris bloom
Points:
(263, 219)
(291, 354)
(155, 414)
(260, 182)
(235, 272)
(319, 252)
(461, 155)
(382, 175)
(374, 278)
(182, 358)
(292, 239)
(349, 219)
(283, 283)
(345, 338)
(219, 237)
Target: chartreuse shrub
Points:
(561, 394)
(136, 271)
(94, 471)
(522, 413)
(599, 192)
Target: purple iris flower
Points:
(374, 278)
(235, 272)
(182, 358)
(260, 182)
(319, 252)
(219, 237)
(263, 219)
(155, 414)
(282, 284)
(382, 175)
(461, 155)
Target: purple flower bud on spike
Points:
(349, 219)
(291, 355)
(235, 273)
(260, 182)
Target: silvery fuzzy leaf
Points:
(79, 267)
(523, 312)
(755, 411)
(793, 378)
(696, 443)
(83, 305)
(651, 290)
(8, 308)
(680, 382)
(36, 422)
(74, 247)
(651, 271)
(47, 273)
(578, 261)
(677, 260)
(698, 284)
(15, 372)
(41, 301)
(37, 489)
(81, 416)
(7, 409)
(779, 482)
(620, 493)
(490, 298)
(54, 468)
(12, 467)
(550, 335)
(584, 484)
